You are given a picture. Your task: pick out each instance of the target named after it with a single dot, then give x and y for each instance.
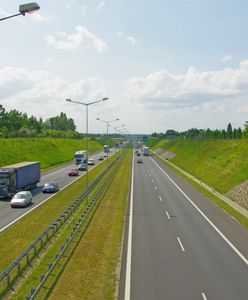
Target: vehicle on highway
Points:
(91, 162)
(81, 157)
(146, 151)
(101, 158)
(139, 160)
(106, 148)
(73, 172)
(138, 154)
(82, 167)
(21, 199)
(18, 177)
(50, 187)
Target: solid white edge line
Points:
(129, 245)
(245, 260)
(180, 243)
(160, 198)
(156, 188)
(45, 200)
(204, 296)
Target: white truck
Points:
(146, 151)
(81, 157)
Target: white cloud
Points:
(226, 58)
(163, 89)
(130, 39)
(82, 37)
(100, 5)
(3, 13)
(40, 94)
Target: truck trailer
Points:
(146, 151)
(18, 177)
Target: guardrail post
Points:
(19, 267)
(27, 258)
(8, 280)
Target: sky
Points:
(163, 64)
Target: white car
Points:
(21, 199)
(91, 162)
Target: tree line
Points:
(194, 133)
(18, 124)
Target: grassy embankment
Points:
(49, 151)
(221, 164)
(91, 272)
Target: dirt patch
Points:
(239, 194)
(165, 154)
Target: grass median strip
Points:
(91, 271)
(17, 238)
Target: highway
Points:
(179, 244)
(9, 215)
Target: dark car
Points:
(82, 167)
(73, 172)
(139, 161)
(50, 187)
(101, 158)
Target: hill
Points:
(49, 151)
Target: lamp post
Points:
(107, 122)
(23, 9)
(87, 146)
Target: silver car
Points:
(21, 199)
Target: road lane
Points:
(8, 215)
(176, 253)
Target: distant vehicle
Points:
(138, 154)
(81, 157)
(106, 148)
(146, 151)
(50, 187)
(139, 160)
(73, 172)
(82, 167)
(21, 199)
(18, 177)
(101, 158)
(91, 162)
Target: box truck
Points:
(18, 177)
(81, 157)
(146, 151)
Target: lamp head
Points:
(104, 99)
(68, 100)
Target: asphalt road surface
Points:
(9, 215)
(180, 245)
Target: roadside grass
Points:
(49, 151)
(91, 272)
(219, 202)
(222, 164)
(18, 237)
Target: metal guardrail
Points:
(89, 209)
(22, 261)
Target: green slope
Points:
(222, 164)
(49, 151)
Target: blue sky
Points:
(163, 64)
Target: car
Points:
(21, 199)
(91, 162)
(73, 172)
(139, 161)
(50, 187)
(105, 155)
(82, 167)
(101, 158)
(138, 154)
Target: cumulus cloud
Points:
(226, 58)
(130, 39)
(193, 88)
(40, 94)
(82, 37)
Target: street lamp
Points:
(107, 122)
(23, 9)
(87, 146)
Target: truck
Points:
(18, 177)
(146, 151)
(81, 157)
(106, 148)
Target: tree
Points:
(229, 131)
